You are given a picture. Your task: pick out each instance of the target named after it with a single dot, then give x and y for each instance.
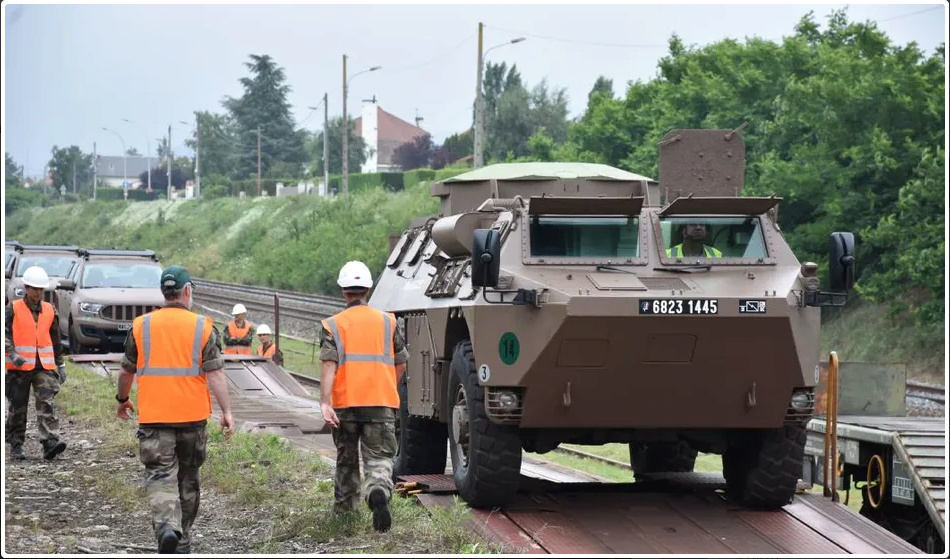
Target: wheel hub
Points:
(460, 431)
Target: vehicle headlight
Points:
(508, 400)
(90, 308)
(801, 400)
(19, 292)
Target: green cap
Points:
(174, 278)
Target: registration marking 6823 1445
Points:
(679, 306)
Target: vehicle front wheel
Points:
(763, 467)
(75, 346)
(486, 457)
(663, 456)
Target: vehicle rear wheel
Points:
(422, 441)
(75, 346)
(663, 456)
(763, 468)
(486, 457)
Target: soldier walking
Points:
(174, 355)
(363, 356)
(34, 358)
(239, 333)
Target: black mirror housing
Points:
(486, 257)
(841, 261)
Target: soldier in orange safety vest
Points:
(33, 359)
(239, 333)
(267, 347)
(174, 356)
(363, 356)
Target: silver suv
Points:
(104, 293)
(58, 261)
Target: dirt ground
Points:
(90, 500)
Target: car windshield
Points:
(121, 274)
(585, 236)
(9, 254)
(57, 266)
(713, 237)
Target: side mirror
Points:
(68, 285)
(486, 257)
(841, 262)
(8, 274)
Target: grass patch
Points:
(711, 463)
(276, 480)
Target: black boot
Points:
(52, 447)
(382, 520)
(168, 541)
(16, 451)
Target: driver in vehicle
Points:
(693, 236)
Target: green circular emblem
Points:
(508, 348)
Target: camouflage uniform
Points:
(173, 454)
(45, 384)
(367, 430)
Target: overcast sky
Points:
(72, 69)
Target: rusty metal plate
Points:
(786, 533)
(494, 527)
(556, 533)
(93, 357)
(849, 541)
(701, 162)
(432, 483)
(855, 524)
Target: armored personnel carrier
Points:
(576, 303)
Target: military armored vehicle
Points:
(554, 303)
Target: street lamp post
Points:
(148, 152)
(197, 154)
(346, 124)
(125, 157)
(326, 132)
(479, 141)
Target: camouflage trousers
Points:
(377, 443)
(45, 386)
(172, 459)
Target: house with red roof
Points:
(383, 132)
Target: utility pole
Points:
(197, 155)
(344, 188)
(169, 155)
(479, 113)
(95, 170)
(258, 161)
(326, 132)
(74, 175)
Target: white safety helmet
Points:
(239, 309)
(34, 276)
(263, 329)
(355, 274)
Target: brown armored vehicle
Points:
(58, 262)
(559, 303)
(104, 293)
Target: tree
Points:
(263, 112)
(72, 168)
(603, 87)
(160, 178)
(11, 171)
(519, 114)
(414, 154)
(356, 148)
(218, 143)
(132, 152)
(458, 146)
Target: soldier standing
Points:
(174, 355)
(34, 358)
(363, 356)
(267, 347)
(239, 333)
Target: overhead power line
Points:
(910, 14)
(578, 41)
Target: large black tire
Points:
(75, 347)
(422, 442)
(762, 470)
(665, 456)
(486, 457)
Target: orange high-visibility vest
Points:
(270, 350)
(31, 337)
(172, 386)
(366, 372)
(236, 332)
